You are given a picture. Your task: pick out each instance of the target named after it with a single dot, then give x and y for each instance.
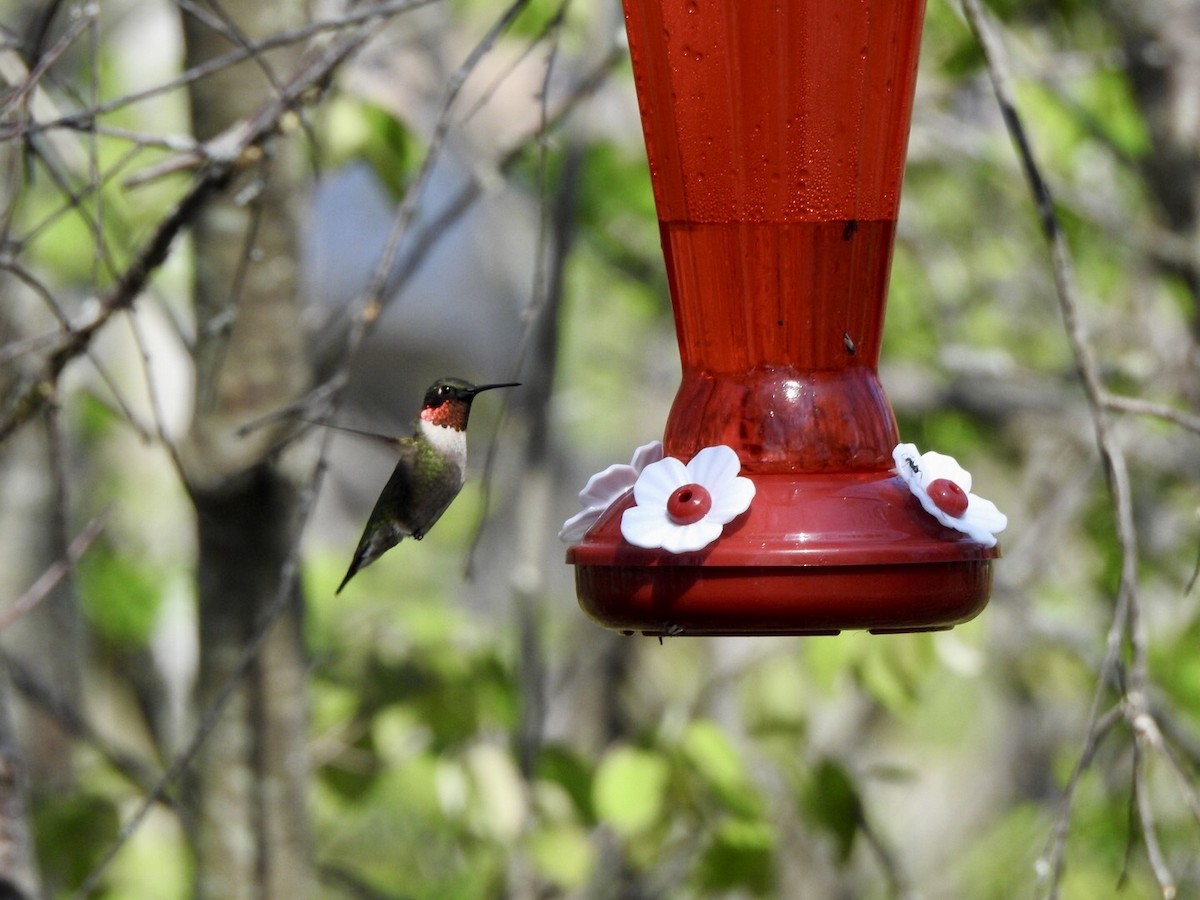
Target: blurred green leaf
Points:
(830, 798)
(571, 772)
(71, 831)
(710, 753)
(896, 667)
(740, 857)
(354, 770)
(775, 697)
(455, 694)
(564, 854)
(358, 129)
(630, 789)
(121, 596)
(830, 659)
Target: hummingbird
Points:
(429, 474)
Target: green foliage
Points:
(711, 755)
(740, 856)
(563, 854)
(1009, 846)
(774, 701)
(572, 773)
(121, 596)
(630, 790)
(616, 209)
(711, 764)
(359, 129)
(71, 831)
(1176, 666)
(892, 670)
(831, 800)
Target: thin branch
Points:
(35, 284)
(55, 573)
(132, 768)
(321, 400)
(1050, 865)
(1183, 778)
(1127, 623)
(1195, 575)
(1137, 406)
(1146, 736)
(14, 350)
(547, 271)
(374, 298)
(306, 504)
(364, 16)
(228, 152)
(46, 61)
(157, 793)
(156, 410)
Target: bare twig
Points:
(377, 291)
(372, 302)
(25, 88)
(359, 16)
(540, 331)
(1147, 737)
(46, 295)
(227, 153)
(1140, 407)
(1050, 865)
(50, 700)
(56, 572)
(1127, 627)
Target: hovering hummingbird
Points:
(428, 475)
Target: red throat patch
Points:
(450, 414)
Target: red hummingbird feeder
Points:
(776, 136)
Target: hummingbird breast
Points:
(438, 472)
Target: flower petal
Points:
(646, 454)
(658, 481)
(985, 514)
(646, 526)
(604, 487)
(982, 535)
(908, 464)
(936, 465)
(574, 528)
(714, 467)
(731, 501)
(577, 526)
(687, 538)
(980, 521)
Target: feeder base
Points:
(665, 601)
(815, 554)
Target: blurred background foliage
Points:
(474, 736)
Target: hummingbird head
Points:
(448, 401)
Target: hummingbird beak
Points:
(487, 387)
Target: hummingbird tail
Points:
(362, 558)
(372, 546)
(354, 567)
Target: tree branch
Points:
(225, 155)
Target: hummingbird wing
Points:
(387, 525)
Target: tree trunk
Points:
(251, 831)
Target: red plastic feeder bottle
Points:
(776, 135)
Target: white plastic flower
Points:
(605, 487)
(944, 489)
(682, 508)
